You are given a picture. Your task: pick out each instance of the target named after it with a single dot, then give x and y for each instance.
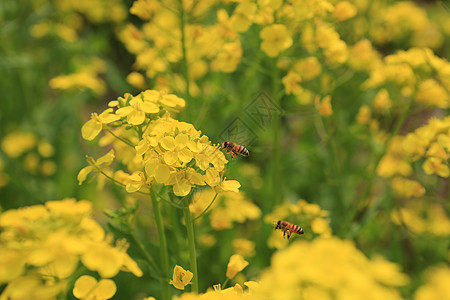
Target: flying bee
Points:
(235, 149)
(288, 228)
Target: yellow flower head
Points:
(236, 264)
(53, 240)
(276, 39)
(87, 287)
(181, 277)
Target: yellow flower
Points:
(437, 285)
(244, 247)
(135, 113)
(275, 39)
(407, 188)
(434, 165)
(330, 266)
(344, 10)
(236, 264)
(136, 79)
(363, 116)
(95, 165)
(242, 16)
(135, 182)
(95, 125)
(324, 106)
(17, 143)
(43, 246)
(290, 82)
(181, 277)
(308, 67)
(87, 288)
(382, 103)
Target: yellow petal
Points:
(91, 129)
(185, 155)
(136, 117)
(236, 264)
(212, 177)
(83, 174)
(181, 140)
(162, 173)
(182, 188)
(170, 158)
(181, 277)
(149, 107)
(83, 286)
(106, 159)
(230, 185)
(105, 289)
(124, 111)
(167, 142)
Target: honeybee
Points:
(235, 149)
(288, 228)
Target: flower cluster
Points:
(325, 268)
(88, 77)
(431, 142)
(415, 72)
(42, 245)
(35, 153)
(229, 208)
(160, 149)
(423, 218)
(329, 268)
(310, 217)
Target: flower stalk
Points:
(162, 247)
(191, 242)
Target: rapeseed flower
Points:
(344, 10)
(88, 288)
(437, 285)
(236, 264)
(422, 218)
(275, 39)
(328, 268)
(166, 151)
(181, 277)
(42, 245)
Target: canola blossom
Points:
(357, 95)
(162, 150)
(43, 245)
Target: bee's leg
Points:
(288, 234)
(284, 234)
(233, 155)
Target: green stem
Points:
(162, 248)
(203, 212)
(146, 254)
(183, 49)
(224, 284)
(276, 172)
(191, 242)
(120, 139)
(357, 213)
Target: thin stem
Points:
(191, 242)
(120, 139)
(224, 284)
(203, 212)
(146, 254)
(276, 172)
(162, 247)
(358, 213)
(183, 48)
